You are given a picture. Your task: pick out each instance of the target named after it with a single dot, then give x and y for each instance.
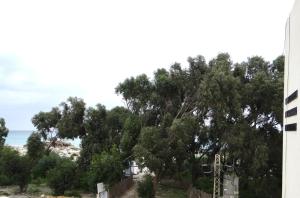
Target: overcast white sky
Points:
(50, 50)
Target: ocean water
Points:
(19, 138)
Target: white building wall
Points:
(291, 139)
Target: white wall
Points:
(291, 139)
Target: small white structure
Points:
(132, 170)
(101, 192)
(291, 136)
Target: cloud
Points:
(50, 50)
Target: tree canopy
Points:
(177, 120)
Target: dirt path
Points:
(131, 193)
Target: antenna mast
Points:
(217, 176)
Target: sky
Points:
(50, 50)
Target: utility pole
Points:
(217, 177)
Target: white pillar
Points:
(291, 136)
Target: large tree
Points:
(65, 121)
(176, 121)
(219, 107)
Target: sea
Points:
(19, 138)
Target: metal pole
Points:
(217, 177)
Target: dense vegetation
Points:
(173, 124)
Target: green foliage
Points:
(151, 150)
(35, 147)
(3, 132)
(235, 109)
(182, 140)
(46, 122)
(33, 190)
(136, 92)
(106, 167)
(72, 115)
(62, 176)
(131, 133)
(5, 180)
(169, 191)
(22, 169)
(66, 122)
(145, 188)
(6, 155)
(43, 165)
(103, 129)
(115, 121)
(205, 184)
(180, 119)
(14, 169)
(97, 136)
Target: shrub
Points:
(14, 169)
(146, 188)
(5, 180)
(106, 167)
(61, 178)
(22, 170)
(3, 193)
(38, 181)
(6, 154)
(46, 163)
(205, 184)
(33, 190)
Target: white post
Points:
(291, 137)
(101, 192)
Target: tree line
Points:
(174, 123)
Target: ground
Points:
(33, 191)
(162, 192)
(169, 192)
(131, 193)
(37, 191)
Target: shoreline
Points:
(62, 148)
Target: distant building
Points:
(291, 137)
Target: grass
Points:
(170, 192)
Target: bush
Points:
(14, 169)
(62, 177)
(3, 193)
(22, 170)
(38, 181)
(46, 163)
(5, 180)
(33, 190)
(106, 167)
(6, 155)
(146, 188)
(205, 184)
